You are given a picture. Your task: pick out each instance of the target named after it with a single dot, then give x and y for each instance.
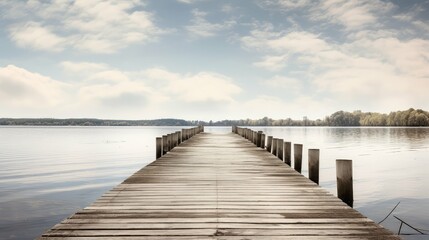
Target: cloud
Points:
(199, 87)
(82, 67)
(34, 35)
(22, 88)
(96, 26)
(291, 84)
(188, 1)
(104, 91)
(200, 27)
(277, 107)
(351, 14)
(205, 87)
(290, 4)
(272, 63)
(372, 69)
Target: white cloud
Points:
(205, 87)
(351, 14)
(106, 92)
(272, 63)
(22, 88)
(82, 67)
(292, 4)
(34, 35)
(373, 69)
(96, 26)
(293, 85)
(200, 27)
(264, 38)
(277, 107)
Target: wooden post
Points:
(178, 138)
(269, 142)
(179, 133)
(297, 155)
(158, 147)
(170, 142)
(313, 165)
(345, 181)
(255, 137)
(287, 153)
(280, 149)
(274, 147)
(164, 144)
(258, 138)
(263, 141)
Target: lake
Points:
(48, 173)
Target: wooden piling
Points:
(313, 165)
(158, 147)
(164, 144)
(269, 143)
(297, 155)
(274, 147)
(263, 141)
(280, 149)
(345, 181)
(287, 153)
(258, 138)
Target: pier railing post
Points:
(287, 153)
(255, 138)
(313, 165)
(258, 139)
(164, 144)
(297, 155)
(280, 149)
(345, 181)
(269, 143)
(263, 141)
(158, 147)
(274, 147)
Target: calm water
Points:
(48, 173)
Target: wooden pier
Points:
(217, 186)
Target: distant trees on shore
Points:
(410, 117)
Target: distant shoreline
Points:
(408, 118)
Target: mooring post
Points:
(259, 139)
(179, 133)
(263, 141)
(274, 147)
(164, 144)
(158, 147)
(280, 149)
(345, 181)
(269, 143)
(297, 155)
(255, 138)
(170, 141)
(313, 165)
(287, 153)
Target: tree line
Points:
(410, 117)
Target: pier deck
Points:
(217, 186)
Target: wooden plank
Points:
(217, 186)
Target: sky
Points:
(212, 60)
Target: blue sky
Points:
(211, 60)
